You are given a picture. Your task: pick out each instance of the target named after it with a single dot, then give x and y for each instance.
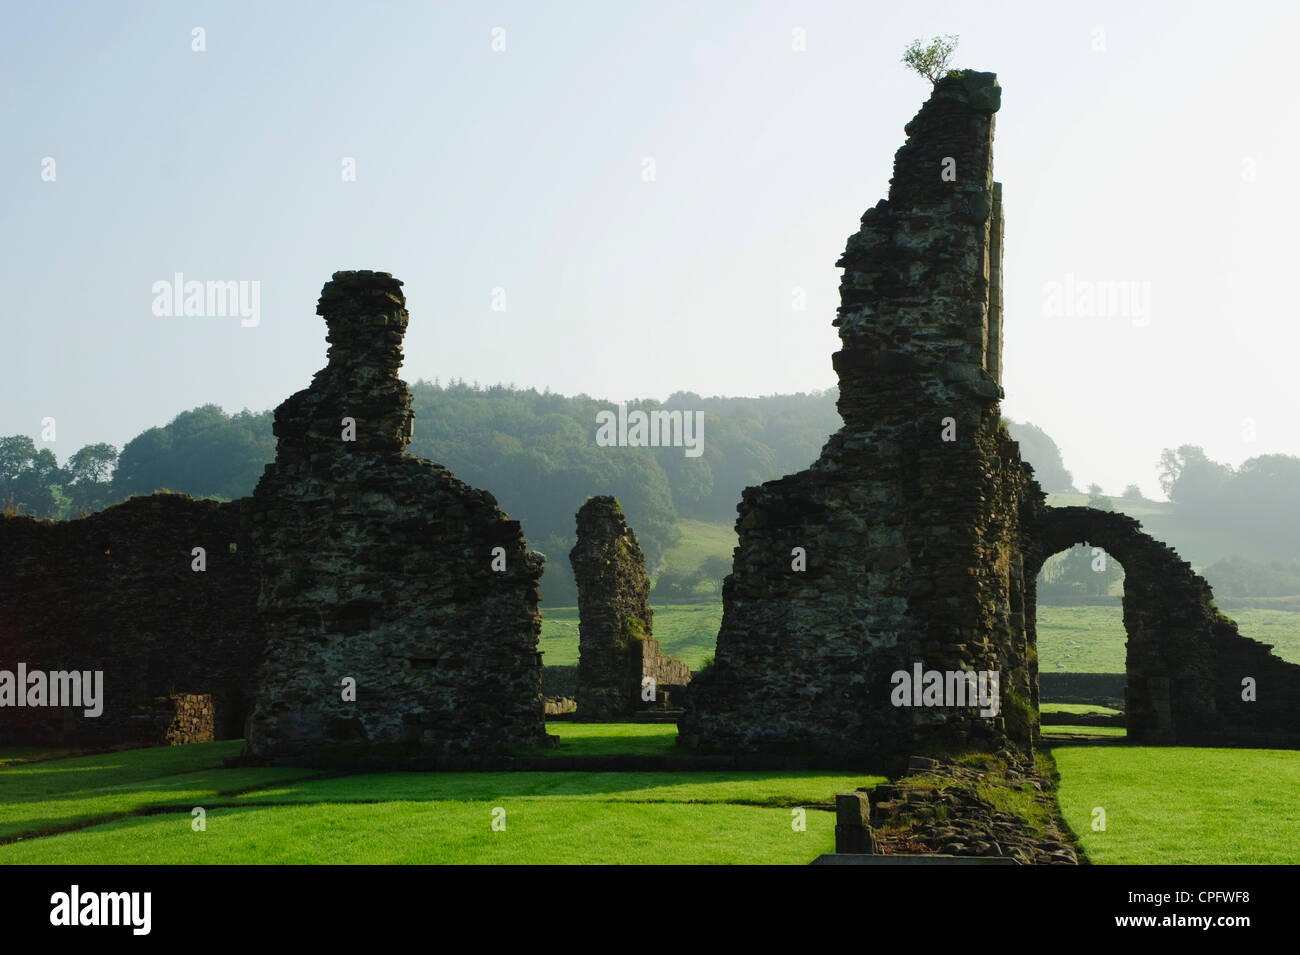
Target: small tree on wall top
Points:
(931, 60)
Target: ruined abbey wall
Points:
(118, 592)
(616, 647)
(1186, 662)
(383, 569)
(901, 544)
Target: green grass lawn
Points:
(42, 796)
(135, 808)
(21, 754)
(610, 739)
(1179, 805)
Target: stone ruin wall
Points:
(616, 646)
(352, 559)
(383, 568)
(1185, 660)
(117, 591)
(912, 542)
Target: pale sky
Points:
(1149, 143)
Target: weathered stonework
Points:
(119, 592)
(616, 648)
(909, 520)
(1185, 661)
(923, 532)
(384, 569)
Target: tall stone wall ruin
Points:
(900, 546)
(383, 569)
(915, 539)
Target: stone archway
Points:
(1185, 662)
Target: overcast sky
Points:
(1152, 144)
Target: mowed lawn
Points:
(1182, 805)
(135, 807)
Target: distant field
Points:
(1070, 639)
(1081, 640)
(1085, 730)
(1077, 708)
(1178, 805)
(686, 631)
(1092, 639)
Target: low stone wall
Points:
(181, 718)
(559, 681)
(1100, 689)
(122, 592)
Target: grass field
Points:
(700, 540)
(1077, 708)
(1085, 730)
(1070, 639)
(610, 739)
(135, 807)
(1162, 805)
(1092, 639)
(688, 632)
(1176, 805)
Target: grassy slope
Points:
(700, 540)
(1173, 805)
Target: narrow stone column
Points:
(619, 662)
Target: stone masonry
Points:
(901, 544)
(123, 591)
(617, 652)
(915, 539)
(400, 604)
(1185, 661)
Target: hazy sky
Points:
(1144, 143)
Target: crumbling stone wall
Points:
(1186, 661)
(616, 647)
(383, 569)
(118, 592)
(901, 544)
(183, 718)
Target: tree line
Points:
(535, 452)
